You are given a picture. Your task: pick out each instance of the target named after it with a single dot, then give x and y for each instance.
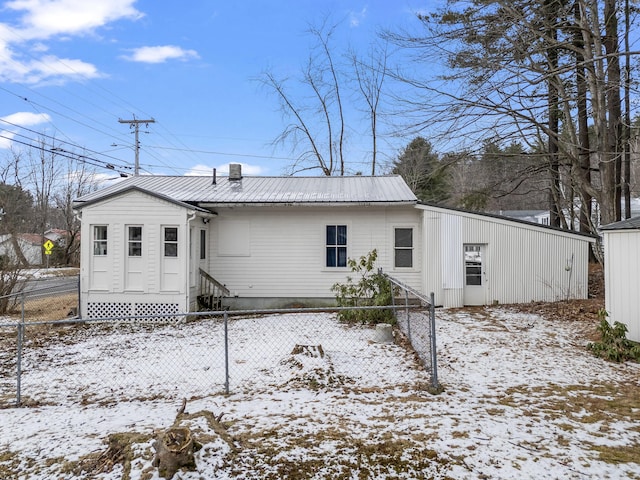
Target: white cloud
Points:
(26, 119)
(197, 170)
(355, 18)
(40, 20)
(5, 139)
(22, 119)
(45, 18)
(160, 54)
(224, 170)
(40, 47)
(49, 69)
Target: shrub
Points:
(614, 345)
(370, 289)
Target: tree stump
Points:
(174, 450)
(315, 351)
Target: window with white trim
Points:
(100, 240)
(134, 240)
(473, 264)
(203, 244)
(170, 236)
(403, 247)
(336, 246)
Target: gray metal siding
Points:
(523, 263)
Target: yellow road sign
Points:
(48, 246)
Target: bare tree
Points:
(16, 204)
(519, 71)
(43, 173)
(334, 84)
(301, 131)
(79, 180)
(370, 76)
(319, 143)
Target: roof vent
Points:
(235, 171)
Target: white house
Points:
(621, 277)
(30, 245)
(160, 245)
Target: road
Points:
(52, 285)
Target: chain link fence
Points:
(109, 360)
(418, 324)
(37, 303)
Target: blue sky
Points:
(72, 68)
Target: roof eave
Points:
(77, 206)
(588, 236)
(209, 205)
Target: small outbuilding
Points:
(622, 273)
(160, 245)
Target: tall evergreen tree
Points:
(423, 171)
(527, 70)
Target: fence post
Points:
(406, 307)
(226, 353)
(434, 356)
(393, 297)
(20, 342)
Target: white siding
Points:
(284, 254)
(279, 252)
(523, 263)
(621, 270)
(106, 279)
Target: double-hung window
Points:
(100, 240)
(203, 244)
(336, 246)
(134, 241)
(170, 241)
(403, 245)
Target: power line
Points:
(210, 152)
(70, 155)
(53, 139)
(135, 124)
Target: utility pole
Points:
(135, 124)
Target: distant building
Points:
(540, 217)
(30, 244)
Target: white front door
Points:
(475, 284)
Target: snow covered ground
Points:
(522, 399)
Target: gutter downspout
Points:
(190, 217)
(78, 215)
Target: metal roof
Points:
(511, 220)
(628, 224)
(201, 190)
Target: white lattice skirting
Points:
(118, 310)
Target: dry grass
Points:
(119, 451)
(50, 308)
(58, 306)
